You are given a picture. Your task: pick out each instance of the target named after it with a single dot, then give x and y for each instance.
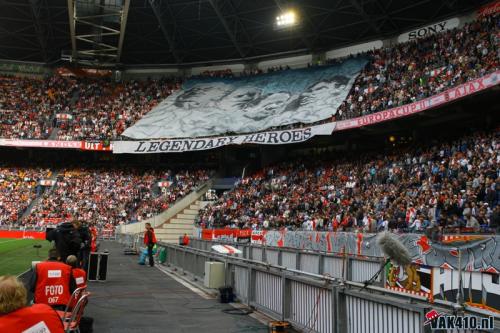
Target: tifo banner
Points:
(182, 145)
(215, 106)
(449, 95)
(479, 253)
(20, 234)
(40, 143)
(434, 272)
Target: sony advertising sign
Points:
(429, 30)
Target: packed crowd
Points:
(99, 109)
(417, 69)
(449, 185)
(111, 197)
(103, 110)
(18, 187)
(28, 104)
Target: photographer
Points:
(86, 239)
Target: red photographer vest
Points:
(52, 283)
(32, 319)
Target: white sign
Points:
(41, 327)
(54, 273)
(429, 30)
(182, 145)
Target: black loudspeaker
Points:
(226, 295)
(98, 266)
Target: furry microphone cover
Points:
(394, 249)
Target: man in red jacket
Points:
(150, 241)
(16, 317)
(52, 283)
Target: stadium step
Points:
(177, 226)
(178, 221)
(191, 211)
(186, 216)
(194, 207)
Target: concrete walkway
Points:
(143, 299)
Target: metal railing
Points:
(324, 301)
(311, 302)
(357, 269)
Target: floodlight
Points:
(286, 19)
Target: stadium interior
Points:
(285, 165)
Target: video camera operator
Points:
(67, 240)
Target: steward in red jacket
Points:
(150, 241)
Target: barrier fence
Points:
(310, 301)
(320, 299)
(357, 269)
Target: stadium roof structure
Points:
(188, 32)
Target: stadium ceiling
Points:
(176, 32)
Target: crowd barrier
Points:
(106, 234)
(313, 302)
(335, 265)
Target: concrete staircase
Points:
(182, 223)
(35, 201)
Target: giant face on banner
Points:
(217, 106)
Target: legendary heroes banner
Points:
(197, 144)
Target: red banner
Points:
(20, 234)
(95, 146)
(489, 9)
(64, 116)
(51, 220)
(447, 96)
(211, 234)
(40, 143)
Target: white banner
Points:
(182, 145)
(47, 182)
(429, 30)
